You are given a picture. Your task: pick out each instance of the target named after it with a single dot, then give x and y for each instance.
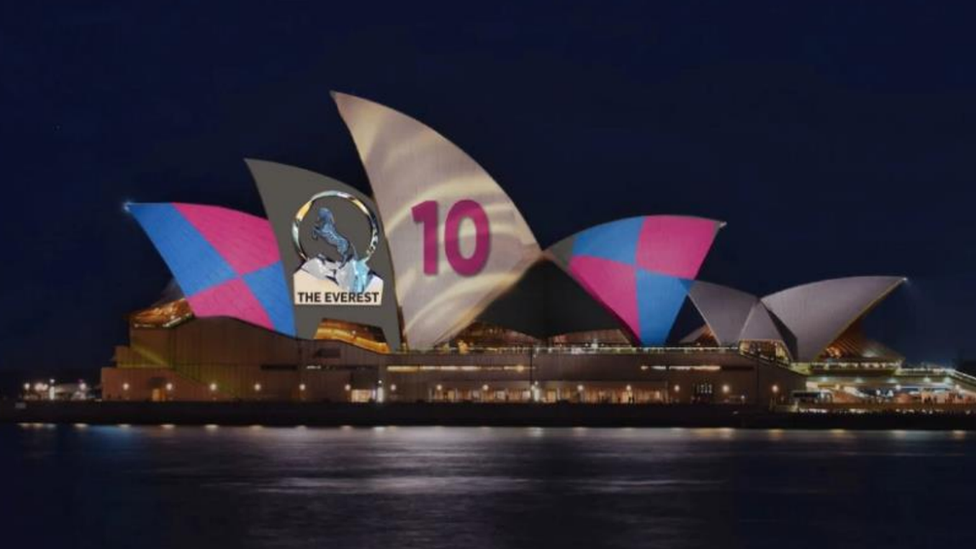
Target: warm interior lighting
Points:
(167, 315)
(363, 337)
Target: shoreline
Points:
(468, 415)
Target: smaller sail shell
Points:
(226, 262)
(640, 268)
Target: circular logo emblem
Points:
(325, 227)
(343, 277)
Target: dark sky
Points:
(834, 138)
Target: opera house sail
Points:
(433, 288)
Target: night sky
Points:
(835, 139)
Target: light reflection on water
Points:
(181, 486)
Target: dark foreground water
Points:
(185, 487)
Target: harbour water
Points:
(216, 487)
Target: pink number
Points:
(425, 213)
(467, 266)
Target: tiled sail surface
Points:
(410, 164)
(225, 261)
(640, 268)
(725, 310)
(819, 312)
(284, 189)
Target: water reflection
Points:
(484, 487)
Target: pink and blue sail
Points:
(226, 262)
(640, 268)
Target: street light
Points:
(169, 387)
(257, 387)
(775, 388)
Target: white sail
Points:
(456, 238)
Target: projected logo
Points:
(336, 234)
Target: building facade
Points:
(434, 289)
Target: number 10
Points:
(426, 214)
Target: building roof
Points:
(418, 176)
(760, 325)
(441, 213)
(286, 190)
(226, 262)
(818, 313)
(724, 309)
(806, 319)
(639, 268)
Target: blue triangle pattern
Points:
(659, 299)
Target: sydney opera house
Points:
(434, 289)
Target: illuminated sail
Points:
(285, 191)
(640, 268)
(456, 238)
(226, 262)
